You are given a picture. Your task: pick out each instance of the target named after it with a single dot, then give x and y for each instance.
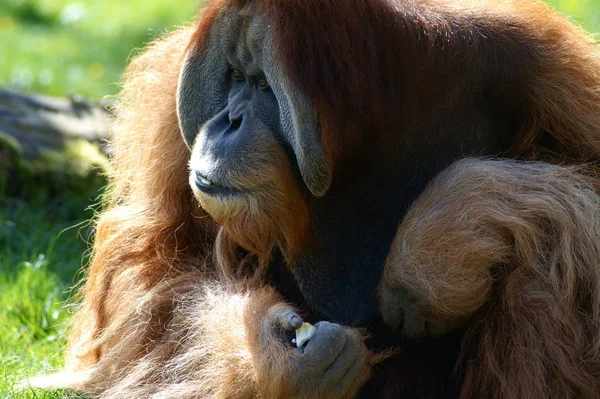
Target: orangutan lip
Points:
(207, 186)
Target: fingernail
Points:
(296, 321)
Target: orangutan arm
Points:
(186, 338)
(508, 250)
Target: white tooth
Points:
(205, 181)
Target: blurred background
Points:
(71, 49)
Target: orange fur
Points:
(275, 214)
(564, 94)
(165, 312)
(507, 249)
(511, 252)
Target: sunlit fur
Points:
(163, 313)
(512, 251)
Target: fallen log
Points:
(52, 144)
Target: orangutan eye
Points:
(237, 75)
(262, 83)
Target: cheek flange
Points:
(201, 93)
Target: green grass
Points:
(586, 12)
(41, 248)
(62, 47)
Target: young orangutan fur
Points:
(508, 250)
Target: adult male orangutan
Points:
(417, 178)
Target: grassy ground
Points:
(41, 247)
(61, 47)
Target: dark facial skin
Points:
(235, 107)
(251, 111)
(234, 101)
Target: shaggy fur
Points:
(560, 86)
(161, 316)
(512, 251)
(172, 307)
